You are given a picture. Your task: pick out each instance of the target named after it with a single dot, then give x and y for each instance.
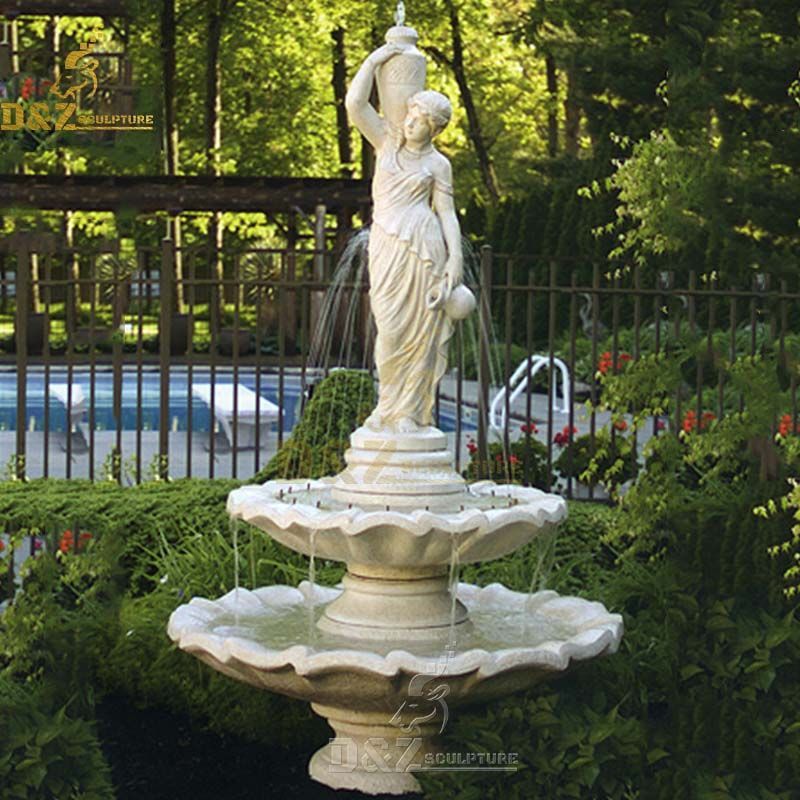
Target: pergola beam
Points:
(182, 193)
(64, 8)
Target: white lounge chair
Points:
(245, 420)
(518, 383)
(75, 409)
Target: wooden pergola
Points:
(176, 194)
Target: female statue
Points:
(414, 253)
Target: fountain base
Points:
(394, 606)
(371, 755)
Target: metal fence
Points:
(169, 362)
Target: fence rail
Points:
(170, 362)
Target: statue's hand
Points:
(384, 53)
(453, 272)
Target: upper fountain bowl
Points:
(486, 521)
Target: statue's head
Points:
(427, 116)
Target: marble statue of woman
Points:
(415, 259)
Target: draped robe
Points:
(407, 255)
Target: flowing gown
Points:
(407, 255)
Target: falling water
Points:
(341, 331)
(545, 548)
(453, 589)
(234, 525)
(252, 559)
(312, 579)
(347, 285)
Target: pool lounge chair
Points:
(246, 420)
(75, 410)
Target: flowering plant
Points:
(691, 422)
(67, 543)
(785, 426)
(562, 437)
(605, 363)
(525, 461)
(604, 460)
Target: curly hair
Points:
(435, 106)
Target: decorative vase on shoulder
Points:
(401, 77)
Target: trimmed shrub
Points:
(340, 403)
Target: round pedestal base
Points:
(399, 470)
(372, 754)
(393, 608)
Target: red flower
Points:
(620, 425)
(562, 438)
(689, 423)
(785, 425)
(529, 428)
(2, 546)
(513, 460)
(37, 545)
(26, 92)
(606, 362)
(67, 543)
(660, 425)
(472, 448)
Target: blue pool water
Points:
(147, 413)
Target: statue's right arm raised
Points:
(361, 112)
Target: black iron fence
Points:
(132, 363)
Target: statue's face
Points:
(417, 127)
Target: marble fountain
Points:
(387, 655)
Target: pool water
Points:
(141, 411)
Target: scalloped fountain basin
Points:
(274, 626)
(487, 521)
(395, 697)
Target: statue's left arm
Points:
(444, 206)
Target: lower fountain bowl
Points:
(396, 693)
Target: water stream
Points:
(312, 578)
(452, 586)
(234, 526)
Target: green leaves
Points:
(45, 754)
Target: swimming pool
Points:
(145, 415)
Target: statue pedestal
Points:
(399, 470)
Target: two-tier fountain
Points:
(387, 655)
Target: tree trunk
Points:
(552, 107)
(171, 138)
(213, 131)
(474, 130)
(339, 81)
(572, 115)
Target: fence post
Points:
(484, 372)
(166, 280)
(21, 337)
